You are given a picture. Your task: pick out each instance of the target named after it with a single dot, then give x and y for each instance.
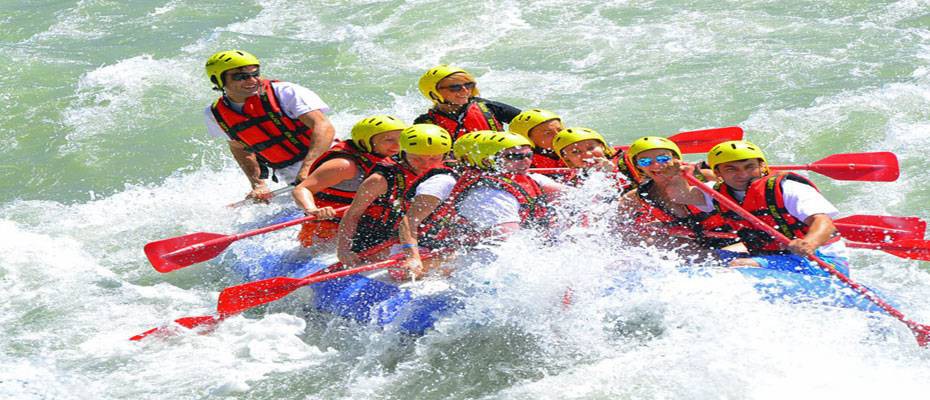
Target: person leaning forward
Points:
(274, 128)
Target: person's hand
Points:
(348, 258)
(321, 213)
(260, 194)
(410, 268)
(802, 247)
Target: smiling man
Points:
(786, 201)
(275, 129)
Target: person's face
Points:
(455, 88)
(386, 143)
(421, 163)
(542, 134)
(583, 153)
(515, 160)
(658, 160)
(739, 174)
(242, 82)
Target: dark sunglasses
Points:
(459, 86)
(517, 156)
(646, 161)
(244, 76)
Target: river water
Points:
(104, 149)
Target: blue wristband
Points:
(407, 246)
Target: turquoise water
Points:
(104, 150)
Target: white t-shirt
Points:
(295, 100)
(439, 186)
(801, 201)
(487, 207)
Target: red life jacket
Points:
(764, 199)
(332, 197)
(475, 116)
(380, 219)
(276, 139)
(446, 225)
(702, 225)
(543, 158)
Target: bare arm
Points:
(320, 141)
(677, 187)
(408, 230)
(331, 173)
(820, 231)
(369, 190)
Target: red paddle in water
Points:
(167, 255)
(871, 167)
(206, 321)
(922, 332)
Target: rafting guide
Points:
(274, 128)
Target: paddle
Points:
(273, 194)
(210, 320)
(703, 140)
(239, 298)
(879, 166)
(167, 255)
(880, 228)
(874, 167)
(922, 332)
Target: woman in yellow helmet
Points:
(456, 105)
(496, 196)
(417, 176)
(786, 201)
(336, 175)
(275, 129)
(585, 149)
(540, 127)
(650, 209)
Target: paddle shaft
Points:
(234, 237)
(275, 193)
(921, 331)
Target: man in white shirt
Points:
(274, 129)
(787, 202)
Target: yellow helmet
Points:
(529, 119)
(568, 136)
(431, 78)
(494, 142)
(425, 140)
(367, 128)
(466, 145)
(734, 150)
(650, 143)
(224, 61)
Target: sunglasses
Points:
(517, 156)
(646, 161)
(459, 86)
(244, 76)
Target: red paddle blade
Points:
(913, 249)
(921, 332)
(242, 297)
(880, 228)
(203, 321)
(703, 140)
(872, 167)
(167, 255)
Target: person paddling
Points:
(456, 105)
(786, 201)
(395, 183)
(650, 209)
(274, 128)
(540, 127)
(336, 175)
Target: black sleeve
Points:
(504, 112)
(423, 119)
